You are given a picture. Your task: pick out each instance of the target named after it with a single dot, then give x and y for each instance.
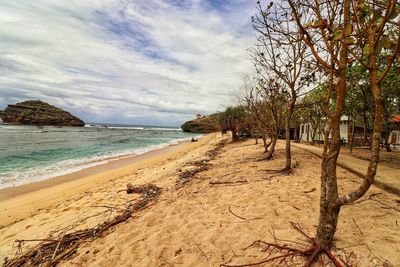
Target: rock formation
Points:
(206, 124)
(36, 112)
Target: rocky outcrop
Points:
(206, 124)
(36, 112)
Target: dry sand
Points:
(207, 224)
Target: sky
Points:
(147, 62)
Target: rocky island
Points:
(203, 124)
(36, 112)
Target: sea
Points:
(30, 153)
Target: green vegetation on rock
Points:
(36, 112)
(205, 124)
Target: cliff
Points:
(206, 124)
(36, 112)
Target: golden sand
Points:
(209, 220)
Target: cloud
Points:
(145, 62)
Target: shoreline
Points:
(110, 164)
(17, 203)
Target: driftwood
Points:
(53, 250)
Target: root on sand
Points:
(286, 255)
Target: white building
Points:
(306, 131)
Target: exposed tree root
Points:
(284, 254)
(53, 250)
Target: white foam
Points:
(69, 166)
(124, 127)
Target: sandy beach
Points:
(216, 199)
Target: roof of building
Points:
(395, 119)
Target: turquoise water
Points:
(29, 153)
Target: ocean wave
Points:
(11, 179)
(124, 128)
(164, 129)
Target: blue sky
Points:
(125, 61)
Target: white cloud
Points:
(152, 62)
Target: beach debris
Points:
(242, 218)
(179, 251)
(310, 191)
(279, 171)
(200, 166)
(216, 150)
(228, 182)
(357, 226)
(145, 190)
(50, 251)
(295, 207)
(374, 197)
(201, 251)
(187, 176)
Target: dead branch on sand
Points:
(240, 217)
(374, 197)
(53, 250)
(229, 182)
(280, 171)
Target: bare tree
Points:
(280, 51)
(263, 100)
(334, 31)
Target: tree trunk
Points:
(295, 135)
(365, 129)
(351, 141)
(234, 135)
(314, 132)
(271, 148)
(288, 153)
(289, 114)
(329, 211)
(329, 208)
(376, 136)
(328, 219)
(385, 136)
(264, 138)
